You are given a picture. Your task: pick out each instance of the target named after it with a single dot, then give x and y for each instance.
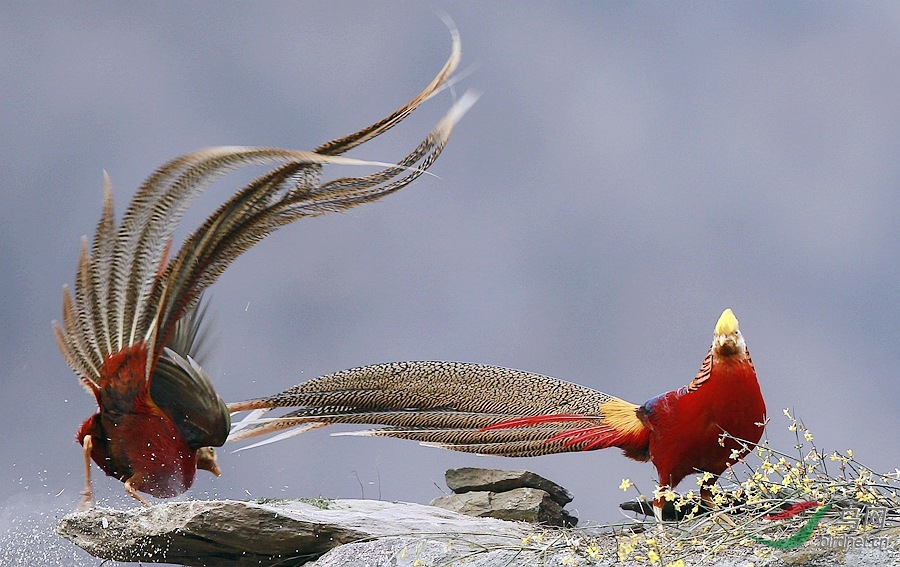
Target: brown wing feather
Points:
(185, 393)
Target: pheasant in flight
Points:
(489, 410)
(131, 329)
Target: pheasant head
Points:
(727, 338)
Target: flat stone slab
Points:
(519, 504)
(471, 479)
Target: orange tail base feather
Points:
(630, 435)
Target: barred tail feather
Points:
(458, 406)
(535, 448)
(283, 435)
(615, 425)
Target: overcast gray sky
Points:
(630, 170)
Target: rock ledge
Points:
(238, 534)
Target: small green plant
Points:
(323, 503)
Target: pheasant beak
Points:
(727, 337)
(206, 460)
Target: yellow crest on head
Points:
(727, 323)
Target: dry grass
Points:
(839, 494)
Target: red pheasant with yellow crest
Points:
(497, 411)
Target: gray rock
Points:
(239, 534)
(460, 552)
(519, 504)
(358, 533)
(471, 479)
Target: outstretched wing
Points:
(454, 405)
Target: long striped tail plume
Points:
(465, 407)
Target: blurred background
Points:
(630, 171)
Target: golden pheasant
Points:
(130, 328)
(497, 411)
